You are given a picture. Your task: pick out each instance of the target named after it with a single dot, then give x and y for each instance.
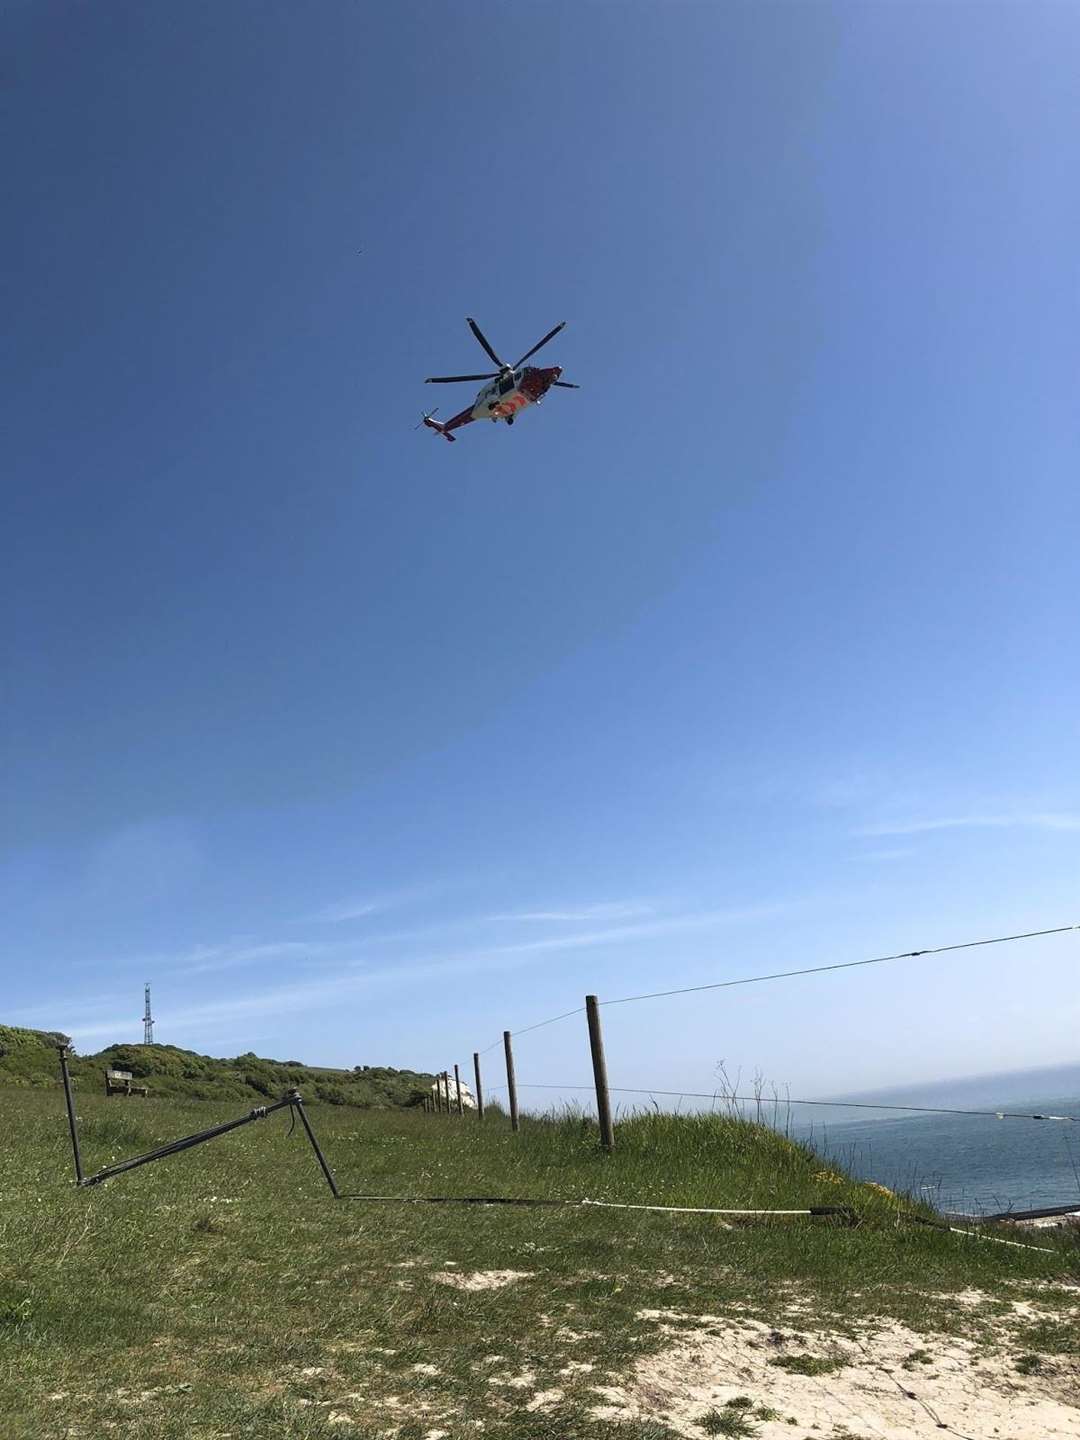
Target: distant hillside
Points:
(28, 1058)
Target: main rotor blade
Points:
(450, 379)
(566, 385)
(549, 336)
(483, 341)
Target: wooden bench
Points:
(118, 1082)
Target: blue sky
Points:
(757, 651)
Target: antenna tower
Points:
(148, 1021)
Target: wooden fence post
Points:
(603, 1100)
(457, 1084)
(511, 1083)
(446, 1089)
(479, 1087)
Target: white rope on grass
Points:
(978, 1235)
(687, 1209)
(702, 1210)
(528, 1201)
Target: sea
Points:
(968, 1164)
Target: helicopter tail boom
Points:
(439, 429)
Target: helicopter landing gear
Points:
(509, 419)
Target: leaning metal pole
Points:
(298, 1106)
(71, 1114)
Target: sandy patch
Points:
(871, 1394)
(525, 1381)
(1028, 1310)
(1020, 1309)
(969, 1299)
(544, 1399)
(482, 1279)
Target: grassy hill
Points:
(223, 1292)
(28, 1058)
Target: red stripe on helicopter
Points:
(507, 407)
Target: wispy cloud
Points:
(359, 907)
(227, 955)
(615, 910)
(620, 934)
(495, 955)
(348, 910)
(315, 991)
(1033, 820)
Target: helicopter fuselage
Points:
(504, 397)
(509, 388)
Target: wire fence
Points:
(728, 1095)
(725, 1097)
(599, 1091)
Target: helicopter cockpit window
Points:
(505, 386)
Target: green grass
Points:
(807, 1364)
(738, 1417)
(731, 1420)
(223, 1293)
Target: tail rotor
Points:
(434, 425)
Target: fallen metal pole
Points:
(828, 1212)
(187, 1142)
(1048, 1212)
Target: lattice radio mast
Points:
(148, 1021)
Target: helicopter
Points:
(512, 387)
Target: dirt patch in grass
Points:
(863, 1387)
(481, 1279)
